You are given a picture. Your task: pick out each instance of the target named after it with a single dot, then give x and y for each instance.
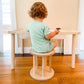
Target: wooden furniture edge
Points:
(62, 32)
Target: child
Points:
(39, 31)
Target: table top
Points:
(61, 32)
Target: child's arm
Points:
(52, 34)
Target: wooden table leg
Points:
(61, 45)
(22, 45)
(73, 50)
(12, 51)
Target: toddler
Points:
(39, 31)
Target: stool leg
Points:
(45, 61)
(50, 57)
(34, 61)
(43, 65)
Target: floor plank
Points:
(64, 74)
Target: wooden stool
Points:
(43, 72)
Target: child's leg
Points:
(54, 43)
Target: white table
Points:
(73, 33)
(27, 36)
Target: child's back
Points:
(38, 30)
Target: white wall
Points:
(81, 24)
(1, 30)
(61, 13)
(13, 21)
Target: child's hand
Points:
(57, 31)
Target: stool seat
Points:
(42, 54)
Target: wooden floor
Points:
(64, 74)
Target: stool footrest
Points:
(38, 75)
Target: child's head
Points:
(38, 10)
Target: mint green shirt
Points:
(38, 30)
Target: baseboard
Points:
(29, 55)
(57, 50)
(70, 51)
